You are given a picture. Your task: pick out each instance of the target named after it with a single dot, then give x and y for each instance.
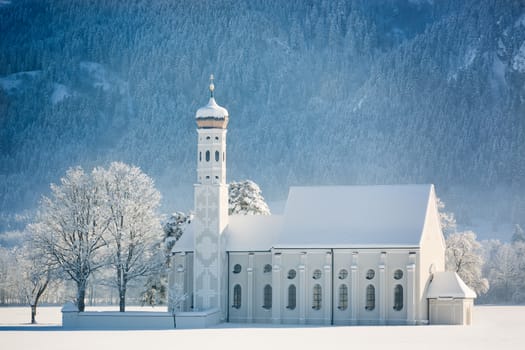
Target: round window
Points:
(291, 274)
(343, 274)
(237, 268)
(398, 274)
(267, 268)
(370, 274)
(317, 274)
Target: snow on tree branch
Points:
(245, 198)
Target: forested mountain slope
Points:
(319, 92)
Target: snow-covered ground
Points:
(495, 327)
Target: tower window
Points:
(217, 138)
(223, 156)
(208, 138)
(200, 156)
(343, 297)
(217, 156)
(398, 297)
(237, 296)
(237, 268)
(291, 297)
(317, 297)
(207, 156)
(370, 298)
(267, 302)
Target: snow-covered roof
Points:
(185, 242)
(354, 216)
(332, 217)
(448, 284)
(212, 110)
(243, 233)
(252, 232)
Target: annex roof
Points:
(448, 284)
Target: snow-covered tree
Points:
(133, 233)
(447, 219)
(155, 290)
(245, 198)
(32, 274)
(463, 255)
(518, 234)
(174, 228)
(71, 228)
(8, 291)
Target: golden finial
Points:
(212, 86)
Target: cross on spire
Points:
(212, 86)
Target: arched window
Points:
(398, 297)
(223, 156)
(317, 297)
(370, 274)
(291, 274)
(208, 138)
(200, 156)
(237, 296)
(207, 156)
(317, 274)
(343, 274)
(343, 297)
(291, 297)
(370, 298)
(237, 268)
(217, 156)
(267, 302)
(398, 274)
(267, 268)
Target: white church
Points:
(338, 255)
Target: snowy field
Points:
(495, 327)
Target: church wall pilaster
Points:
(276, 288)
(250, 288)
(355, 286)
(327, 289)
(302, 287)
(411, 288)
(383, 292)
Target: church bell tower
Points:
(211, 209)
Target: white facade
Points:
(338, 254)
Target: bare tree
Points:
(134, 231)
(70, 229)
(32, 274)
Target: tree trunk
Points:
(80, 300)
(33, 314)
(122, 301)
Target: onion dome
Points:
(212, 115)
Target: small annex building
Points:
(337, 255)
